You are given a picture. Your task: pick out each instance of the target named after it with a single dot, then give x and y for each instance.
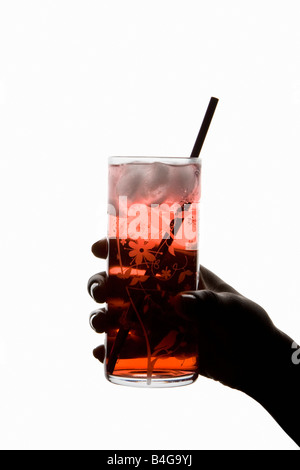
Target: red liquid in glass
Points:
(147, 340)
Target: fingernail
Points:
(93, 286)
(92, 316)
(188, 297)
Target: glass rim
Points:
(113, 160)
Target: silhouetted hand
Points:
(239, 345)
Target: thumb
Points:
(193, 305)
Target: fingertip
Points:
(98, 292)
(100, 248)
(96, 287)
(98, 320)
(99, 353)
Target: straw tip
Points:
(204, 127)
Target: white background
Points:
(81, 80)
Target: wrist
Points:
(277, 384)
(274, 369)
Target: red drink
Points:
(153, 255)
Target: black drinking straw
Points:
(204, 127)
(123, 331)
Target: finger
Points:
(97, 287)
(197, 309)
(209, 280)
(100, 248)
(98, 320)
(99, 353)
(194, 305)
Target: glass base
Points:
(157, 380)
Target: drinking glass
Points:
(153, 221)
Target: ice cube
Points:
(130, 182)
(156, 183)
(153, 183)
(183, 183)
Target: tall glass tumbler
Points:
(153, 218)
